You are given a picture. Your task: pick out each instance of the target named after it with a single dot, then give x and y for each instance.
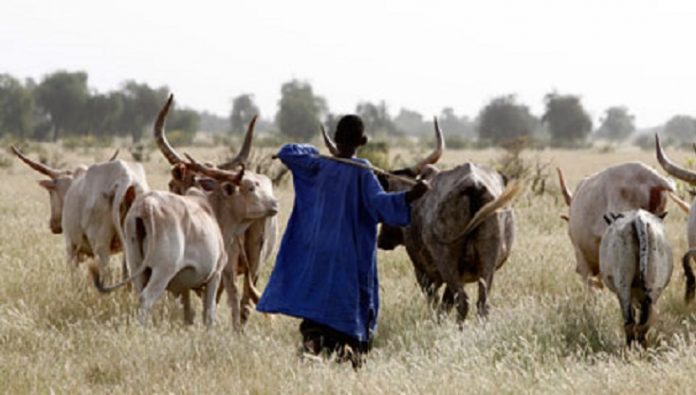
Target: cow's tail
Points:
(689, 275)
(99, 284)
(512, 190)
(142, 227)
(642, 231)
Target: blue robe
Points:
(326, 268)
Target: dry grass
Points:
(544, 335)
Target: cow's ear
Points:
(179, 171)
(48, 184)
(229, 188)
(662, 215)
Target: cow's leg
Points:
(229, 279)
(588, 274)
(485, 283)
(253, 244)
(646, 313)
(428, 286)
(209, 299)
(447, 300)
(188, 310)
(624, 295)
(103, 255)
(124, 267)
(484, 287)
(154, 289)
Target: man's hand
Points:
(417, 191)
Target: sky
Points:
(420, 55)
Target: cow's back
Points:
(425, 238)
(618, 188)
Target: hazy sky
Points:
(420, 55)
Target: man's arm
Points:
(299, 158)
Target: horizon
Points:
(632, 54)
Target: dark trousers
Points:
(330, 339)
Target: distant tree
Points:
(63, 95)
(617, 124)
(299, 110)
(213, 123)
(410, 122)
(185, 120)
(16, 107)
(141, 103)
(567, 120)
(503, 120)
(681, 128)
(376, 118)
(243, 109)
(453, 125)
(100, 115)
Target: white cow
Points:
(258, 241)
(636, 264)
(618, 188)
(176, 243)
(85, 205)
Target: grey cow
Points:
(635, 262)
(460, 231)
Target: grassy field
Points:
(543, 335)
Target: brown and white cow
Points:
(623, 187)
(636, 264)
(460, 231)
(689, 176)
(178, 242)
(85, 205)
(259, 239)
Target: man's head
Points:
(350, 132)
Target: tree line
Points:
(62, 105)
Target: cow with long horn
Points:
(623, 187)
(181, 242)
(460, 232)
(85, 205)
(258, 241)
(687, 176)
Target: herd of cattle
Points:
(219, 221)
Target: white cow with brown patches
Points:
(85, 205)
(258, 241)
(623, 187)
(176, 242)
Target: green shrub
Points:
(377, 153)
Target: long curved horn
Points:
(328, 142)
(115, 155)
(567, 196)
(172, 156)
(243, 154)
(672, 168)
(40, 167)
(216, 173)
(436, 154)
